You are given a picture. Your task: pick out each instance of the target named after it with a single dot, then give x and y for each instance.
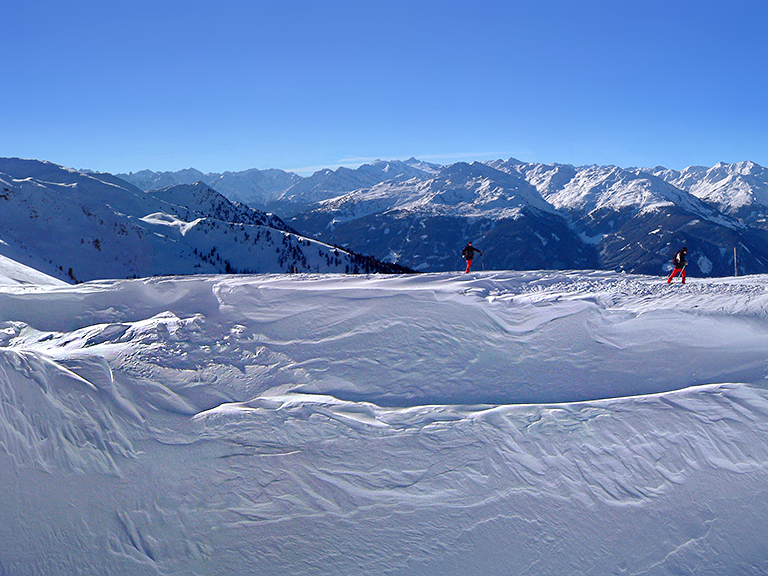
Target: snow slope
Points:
(495, 423)
(12, 272)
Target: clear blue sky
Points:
(123, 85)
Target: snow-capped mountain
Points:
(326, 184)
(149, 180)
(682, 179)
(459, 189)
(420, 215)
(596, 189)
(621, 219)
(200, 201)
(286, 192)
(546, 178)
(81, 226)
(739, 189)
(637, 220)
(427, 167)
(427, 222)
(253, 187)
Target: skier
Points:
(679, 265)
(468, 253)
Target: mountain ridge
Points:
(624, 219)
(78, 226)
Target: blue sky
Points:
(120, 86)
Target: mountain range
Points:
(284, 192)
(527, 215)
(79, 226)
(402, 215)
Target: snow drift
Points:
(493, 423)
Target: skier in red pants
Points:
(468, 253)
(679, 265)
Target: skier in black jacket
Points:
(469, 253)
(679, 265)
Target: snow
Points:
(609, 187)
(487, 423)
(730, 187)
(12, 272)
(471, 190)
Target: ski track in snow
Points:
(495, 423)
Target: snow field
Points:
(495, 423)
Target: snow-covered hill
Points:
(198, 200)
(528, 423)
(82, 226)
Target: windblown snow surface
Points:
(444, 424)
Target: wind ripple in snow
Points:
(335, 462)
(50, 417)
(612, 450)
